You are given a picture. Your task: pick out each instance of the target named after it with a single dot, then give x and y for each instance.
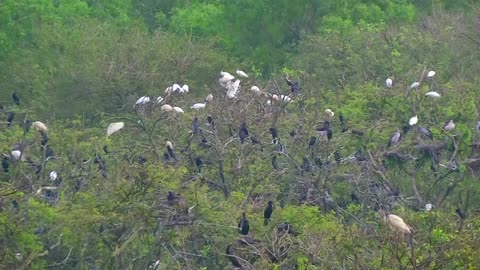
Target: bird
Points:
(306, 165)
(210, 121)
(255, 89)
(209, 98)
(16, 154)
(414, 85)
(170, 151)
(312, 141)
(199, 163)
(233, 88)
(143, 100)
(226, 77)
(243, 226)
(294, 86)
(176, 87)
(49, 152)
(413, 120)
(26, 126)
(394, 139)
(433, 94)
(287, 228)
(388, 83)
(198, 106)
(53, 175)
(329, 113)
(430, 74)
(160, 99)
(195, 126)
(397, 223)
(114, 127)
(242, 74)
(185, 88)
(274, 133)
(233, 258)
(428, 206)
(15, 98)
(337, 156)
(10, 117)
(460, 213)
(267, 213)
(425, 131)
(275, 163)
(341, 119)
(166, 108)
(40, 126)
(354, 197)
(449, 126)
(5, 164)
(285, 99)
(178, 110)
(243, 132)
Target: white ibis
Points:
(178, 110)
(432, 94)
(285, 99)
(160, 99)
(209, 98)
(329, 113)
(198, 106)
(166, 108)
(449, 126)
(414, 85)
(184, 89)
(114, 127)
(397, 223)
(53, 175)
(232, 88)
(428, 206)
(142, 101)
(16, 154)
(255, 89)
(40, 126)
(413, 120)
(176, 87)
(226, 77)
(430, 74)
(242, 74)
(388, 83)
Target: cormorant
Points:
(10, 117)
(15, 98)
(199, 163)
(243, 132)
(267, 213)
(460, 213)
(233, 258)
(5, 164)
(394, 139)
(243, 226)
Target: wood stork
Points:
(114, 127)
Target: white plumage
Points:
(166, 108)
(198, 106)
(53, 175)
(16, 154)
(184, 89)
(329, 113)
(209, 98)
(232, 88)
(176, 87)
(397, 223)
(428, 206)
(432, 94)
(430, 74)
(143, 100)
(414, 85)
(388, 82)
(255, 89)
(160, 99)
(241, 73)
(449, 126)
(285, 98)
(114, 127)
(413, 120)
(40, 126)
(178, 110)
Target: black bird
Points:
(318, 161)
(306, 165)
(255, 140)
(5, 164)
(166, 157)
(233, 258)
(312, 141)
(293, 133)
(358, 132)
(360, 156)
(199, 163)
(26, 126)
(243, 132)
(460, 213)
(275, 163)
(425, 131)
(267, 213)
(406, 128)
(49, 152)
(195, 126)
(274, 133)
(10, 117)
(105, 149)
(342, 120)
(337, 156)
(210, 121)
(170, 150)
(294, 86)
(287, 228)
(15, 98)
(344, 129)
(44, 138)
(243, 226)
(354, 197)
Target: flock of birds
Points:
(231, 85)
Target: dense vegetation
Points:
(125, 201)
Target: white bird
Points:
(430, 74)
(226, 74)
(169, 90)
(413, 120)
(184, 89)
(275, 97)
(16, 154)
(428, 206)
(414, 85)
(143, 100)
(198, 106)
(329, 113)
(241, 73)
(166, 108)
(232, 89)
(160, 99)
(40, 126)
(53, 175)
(178, 110)
(209, 98)
(285, 98)
(449, 126)
(388, 82)
(397, 223)
(432, 94)
(255, 89)
(176, 87)
(114, 127)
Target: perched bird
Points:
(10, 117)
(394, 139)
(341, 119)
(185, 88)
(243, 132)
(274, 132)
(354, 197)
(312, 141)
(294, 86)
(329, 113)
(306, 165)
(176, 87)
(199, 163)
(425, 131)
(142, 101)
(337, 156)
(243, 226)
(175, 200)
(275, 163)
(242, 74)
(166, 108)
(388, 83)
(449, 126)
(430, 74)
(267, 213)
(233, 258)
(160, 99)
(413, 120)
(209, 98)
(53, 175)
(49, 152)
(397, 223)
(26, 126)
(432, 94)
(255, 89)
(428, 207)
(414, 85)
(170, 151)
(16, 154)
(178, 110)
(40, 126)
(286, 228)
(198, 106)
(105, 149)
(210, 121)
(15, 98)
(195, 126)
(5, 164)
(460, 213)
(114, 127)
(226, 77)
(233, 88)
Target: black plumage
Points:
(199, 163)
(210, 121)
(342, 120)
(243, 226)
(274, 133)
(233, 258)
(406, 128)
(5, 164)
(49, 152)
(318, 162)
(354, 197)
(243, 132)
(195, 126)
(460, 213)
(426, 132)
(287, 228)
(337, 156)
(312, 141)
(294, 86)
(105, 149)
(267, 213)
(44, 140)
(26, 126)
(16, 98)
(142, 160)
(10, 117)
(306, 165)
(170, 151)
(275, 163)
